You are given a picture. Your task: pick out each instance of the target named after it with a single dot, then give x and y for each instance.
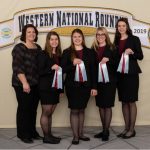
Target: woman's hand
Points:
(93, 92)
(26, 87)
(129, 51)
(104, 60)
(55, 67)
(76, 61)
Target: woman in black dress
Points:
(128, 81)
(49, 62)
(107, 87)
(78, 91)
(25, 82)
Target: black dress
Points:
(48, 94)
(128, 84)
(78, 93)
(106, 91)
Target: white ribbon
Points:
(57, 80)
(83, 72)
(124, 64)
(103, 73)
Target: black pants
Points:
(26, 112)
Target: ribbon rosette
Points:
(124, 64)
(57, 80)
(103, 73)
(80, 73)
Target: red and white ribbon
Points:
(80, 73)
(124, 64)
(57, 80)
(103, 73)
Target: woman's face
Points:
(53, 41)
(30, 34)
(100, 36)
(77, 39)
(122, 27)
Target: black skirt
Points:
(78, 97)
(106, 94)
(49, 97)
(128, 86)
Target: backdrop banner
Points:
(65, 19)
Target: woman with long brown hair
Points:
(80, 81)
(128, 52)
(49, 63)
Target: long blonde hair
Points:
(95, 44)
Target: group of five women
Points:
(88, 72)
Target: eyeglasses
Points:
(100, 35)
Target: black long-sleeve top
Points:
(88, 58)
(24, 61)
(108, 53)
(132, 42)
(46, 74)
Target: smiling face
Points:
(77, 39)
(53, 41)
(122, 27)
(101, 37)
(30, 34)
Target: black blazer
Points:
(134, 43)
(46, 74)
(69, 68)
(108, 53)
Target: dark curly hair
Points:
(23, 35)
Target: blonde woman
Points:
(106, 87)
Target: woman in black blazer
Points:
(106, 88)
(128, 83)
(49, 62)
(78, 91)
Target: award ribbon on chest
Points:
(123, 64)
(80, 73)
(103, 73)
(57, 80)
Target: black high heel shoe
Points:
(50, 140)
(122, 133)
(84, 138)
(98, 135)
(129, 136)
(55, 137)
(105, 136)
(75, 141)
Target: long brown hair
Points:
(95, 44)
(72, 46)
(48, 47)
(117, 34)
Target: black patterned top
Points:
(25, 62)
